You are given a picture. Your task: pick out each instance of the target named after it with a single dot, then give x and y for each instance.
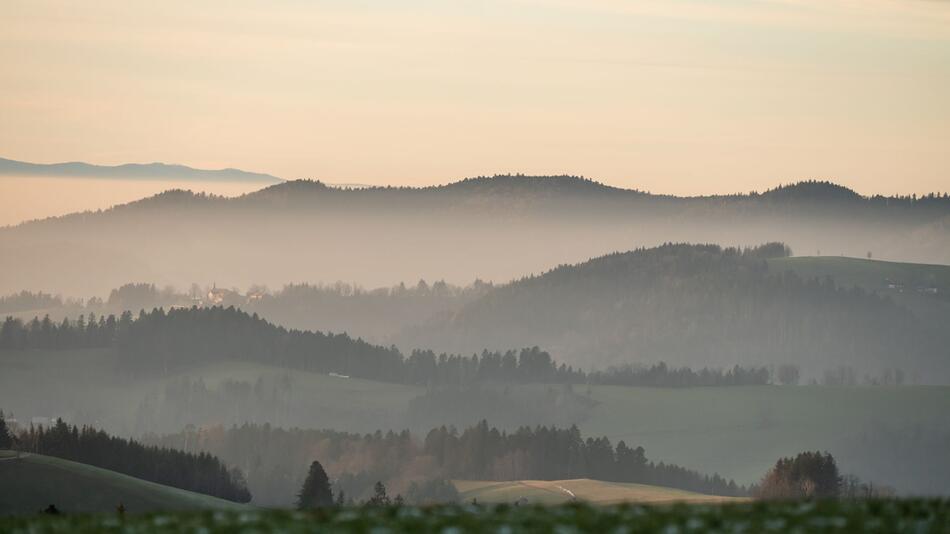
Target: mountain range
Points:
(140, 171)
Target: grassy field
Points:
(865, 273)
(82, 386)
(738, 432)
(873, 275)
(741, 431)
(584, 489)
(897, 516)
(31, 483)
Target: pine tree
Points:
(316, 491)
(6, 439)
(379, 497)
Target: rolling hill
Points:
(889, 435)
(33, 482)
(587, 490)
(703, 305)
(510, 225)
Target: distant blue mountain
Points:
(148, 171)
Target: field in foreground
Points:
(918, 516)
(892, 435)
(583, 489)
(31, 483)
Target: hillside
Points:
(892, 435)
(510, 225)
(697, 305)
(922, 288)
(33, 482)
(587, 490)
(887, 277)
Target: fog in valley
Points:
(180, 318)
(534, 266)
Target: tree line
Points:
(199, 472)
(481, 452)
(163, 342)
(276, 459)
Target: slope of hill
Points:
(511, 225)
(587, 490)
(889, 435)
(150, 171)
(922, 288)
(887, 277)
(33, 482)
(694, 305)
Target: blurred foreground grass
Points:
(899, 515)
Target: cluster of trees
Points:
(198, 472)
(805, 476)
(375, 313)
(317, 492)
(810, 475)
(83, 332)
(550, 453)
(164, 342)
(28, 300)
(275, 459)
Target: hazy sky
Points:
(678, 96)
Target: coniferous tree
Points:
(379, 497)
(316, 492)
(6, 437)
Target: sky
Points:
(670, 96)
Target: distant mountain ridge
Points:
(151, 171)
(566, 194)
(492, 228)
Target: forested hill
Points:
(160, 343)
(510, 226)
(696, 305)
(542, 193)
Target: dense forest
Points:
(376, 314)
(160, 342)
(276, 459)
(199, 472)
(694, 305)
